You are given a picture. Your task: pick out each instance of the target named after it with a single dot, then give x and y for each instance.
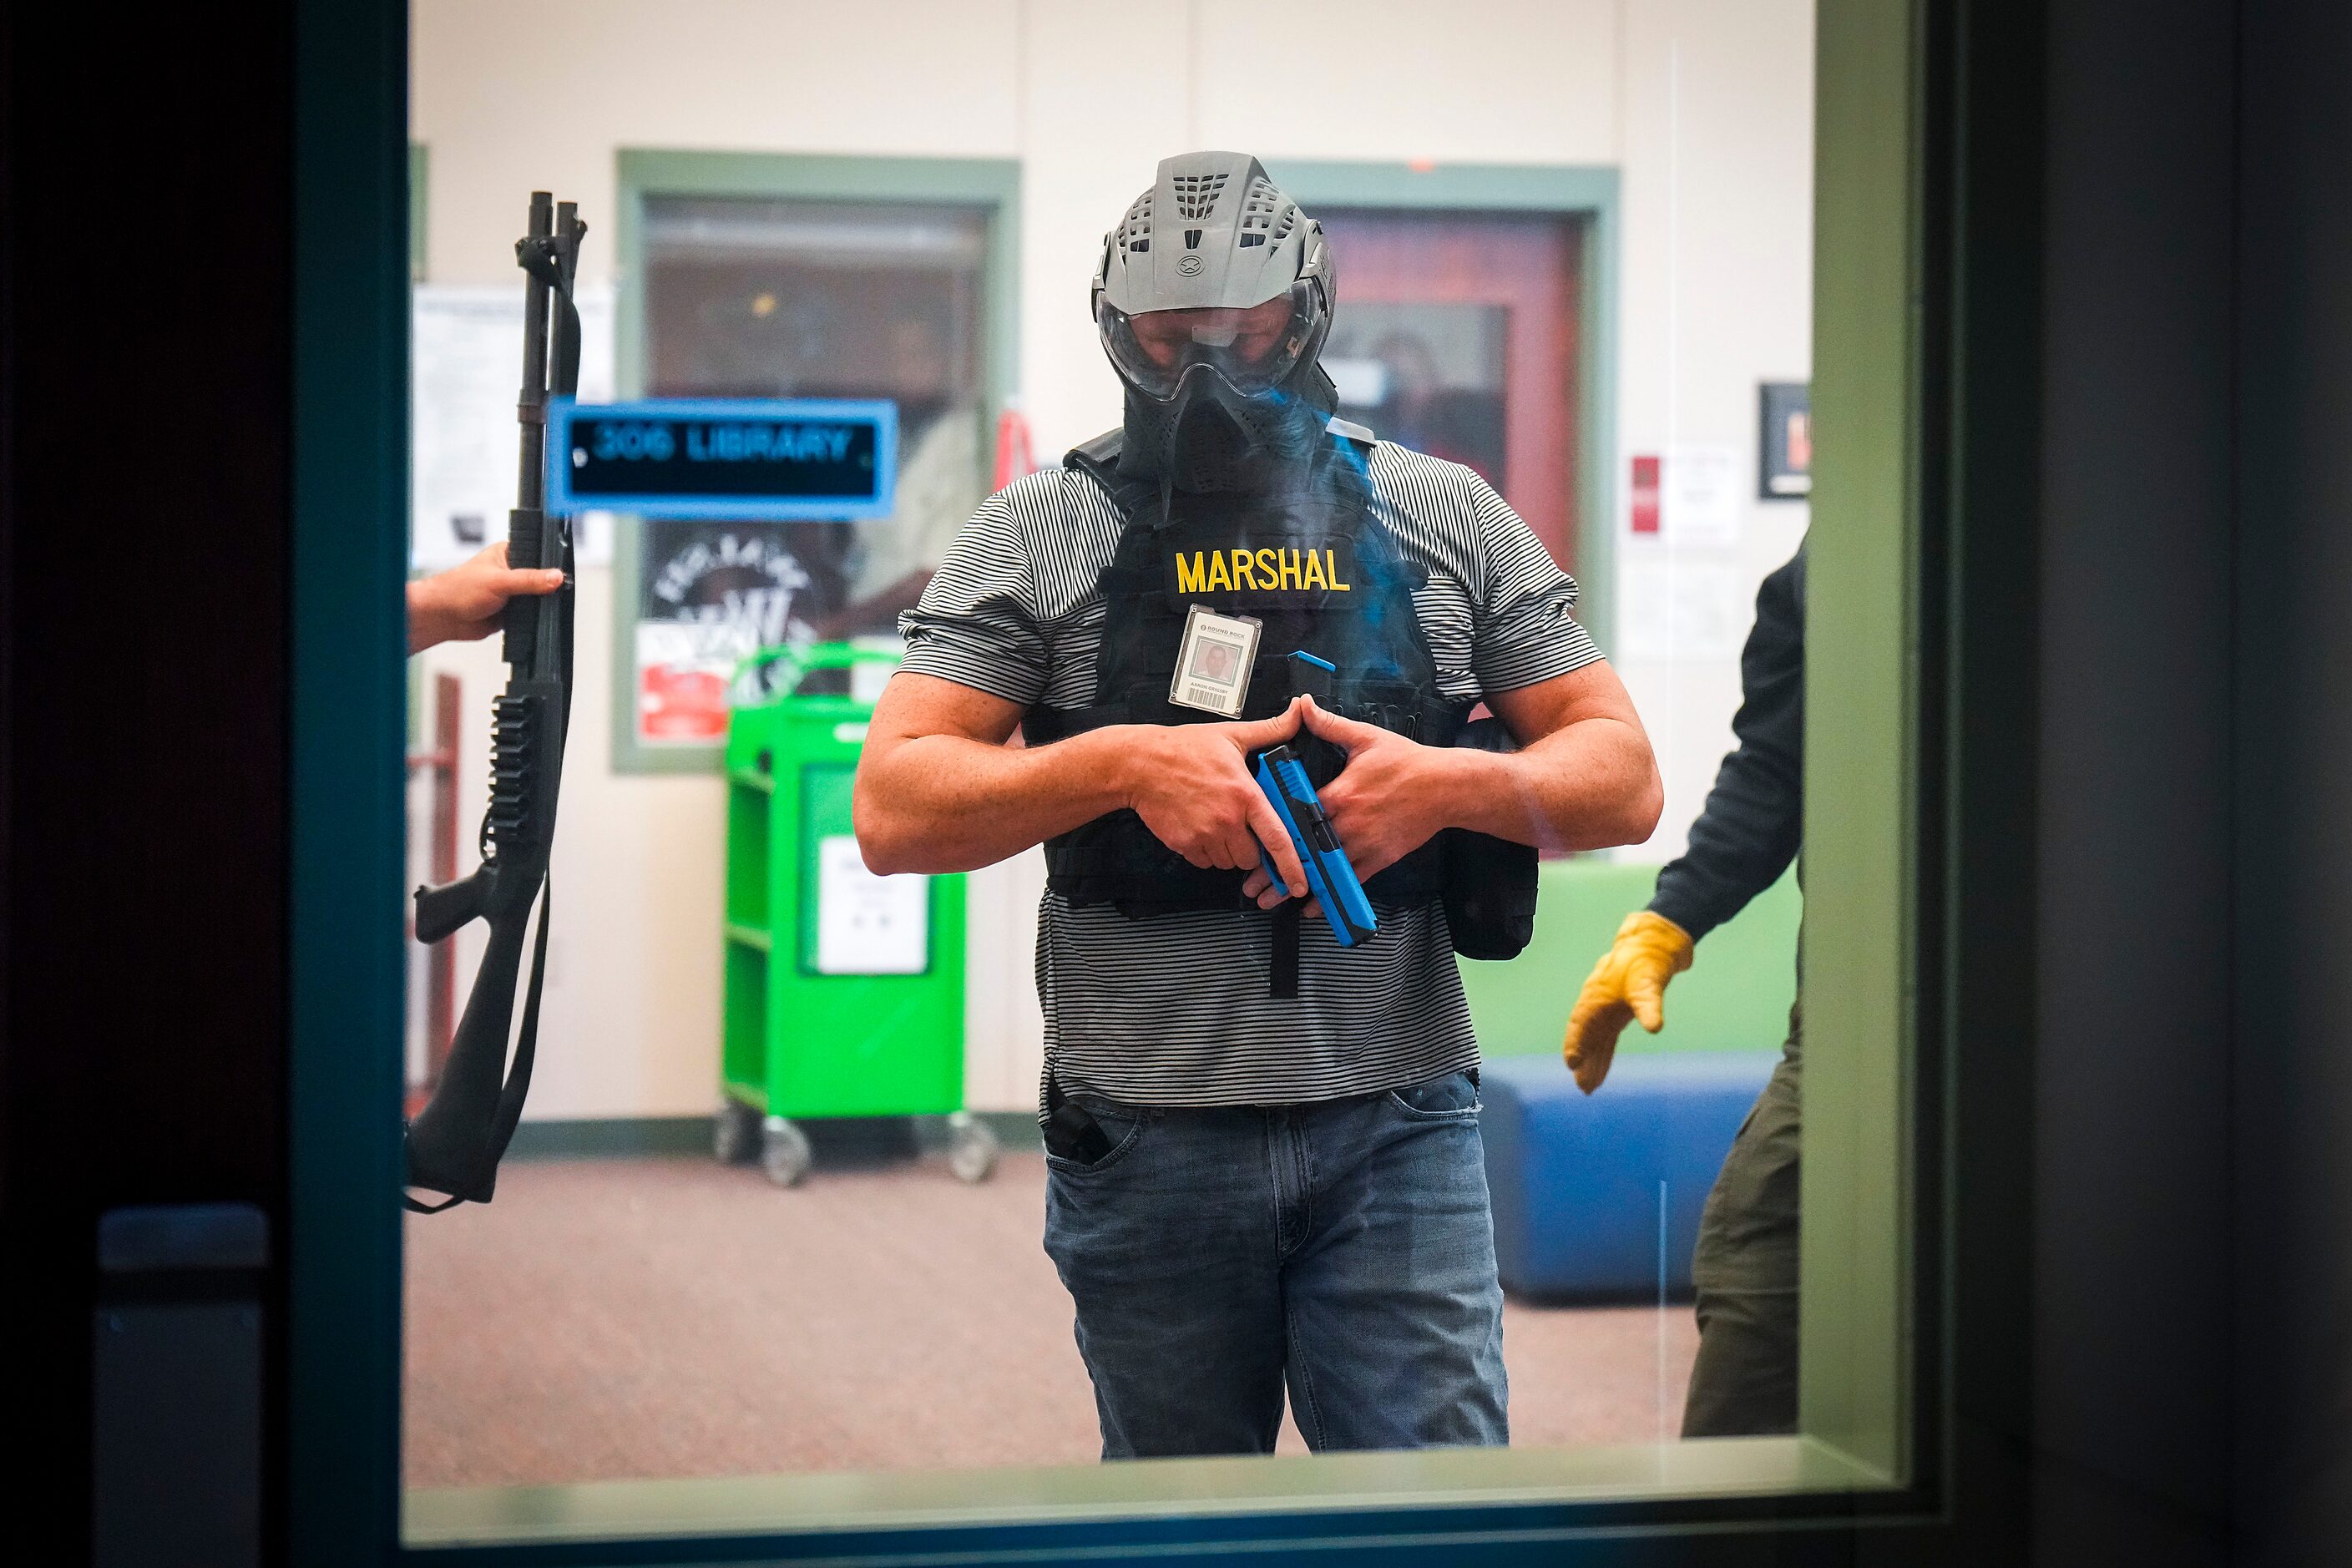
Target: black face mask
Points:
(1213, 439)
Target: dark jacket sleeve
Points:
(1754, 820)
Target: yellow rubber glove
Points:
(1630, 982)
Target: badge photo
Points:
(1213, 662)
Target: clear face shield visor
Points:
(1253, 348)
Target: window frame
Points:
(989, 185)
(1924, 370)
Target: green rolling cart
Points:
(843, 990)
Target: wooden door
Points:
(1457, 334)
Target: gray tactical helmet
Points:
(1216, 239)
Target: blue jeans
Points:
(1343, 1248)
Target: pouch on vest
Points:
(1489, 883)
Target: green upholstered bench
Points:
(1735, 996)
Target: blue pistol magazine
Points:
(1330, 878)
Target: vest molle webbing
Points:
(1326, 577)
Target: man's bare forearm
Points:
(1590, 785)
(947, 803)
(938, 790)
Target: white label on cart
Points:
(867, 924)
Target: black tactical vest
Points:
(1326, 577)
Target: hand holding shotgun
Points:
(465, 602)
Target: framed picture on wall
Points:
(1785, 444)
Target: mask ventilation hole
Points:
(1266, 214)
(1135, 230)
(1192, 239)
(1196, 194)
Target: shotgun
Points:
(454, 1141)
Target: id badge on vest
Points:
(1214, 661)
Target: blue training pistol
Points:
(1330, 878)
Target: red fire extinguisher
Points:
(1016, 457)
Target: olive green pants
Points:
(1745, 1270)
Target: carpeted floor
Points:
(608, 1320)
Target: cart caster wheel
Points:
(735, 1133)
(783, 1152)
(972, 1148)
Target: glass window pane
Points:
(778, 1207)
(773, 298)
(1428, 376)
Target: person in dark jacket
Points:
(1745, 1268)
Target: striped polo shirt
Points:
(1173, 1010)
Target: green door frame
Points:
(1861, 756)
(420, 164)
(1918, 1253)
(991, 185)
(1589, 193)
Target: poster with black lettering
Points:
(710, 595)
(462, 342)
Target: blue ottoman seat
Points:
(1575, 1179)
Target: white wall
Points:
(1716, 132)
(1705, 106)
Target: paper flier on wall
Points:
(1670, 609)
(1702, 488)
(466, 357)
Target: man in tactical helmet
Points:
(1263, 1153)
